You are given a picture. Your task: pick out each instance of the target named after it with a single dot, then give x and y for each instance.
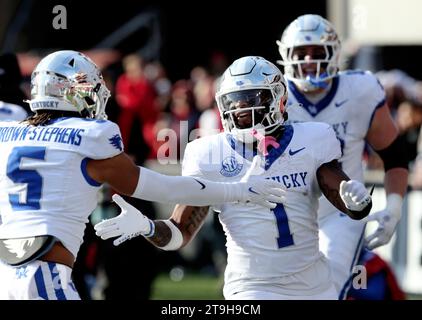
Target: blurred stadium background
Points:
(184, 48)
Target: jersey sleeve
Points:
(326, 145)
(372, 96)
(103, 140)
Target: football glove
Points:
(387, 220)
(128, 224)
(260, 190)
(354, 195)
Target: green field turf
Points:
(191, 287)
(199, 287)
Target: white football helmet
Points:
(310, 30)
(251, 95)
(69, 81)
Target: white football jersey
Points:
(349, 108)
(12, 112)
(264, 243)
(44, 185)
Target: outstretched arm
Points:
(170, 234)
(349, 196)
(125, 177)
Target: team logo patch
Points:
(116, 141)
(230, 167)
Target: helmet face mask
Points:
(69, 81)
(248, 107)
(310, 32)
(251, 95)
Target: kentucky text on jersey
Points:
(54, 134)
(292, 180)
(338, 126)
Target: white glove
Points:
(387, 221)
(354, 195)
(260, 190)
(128, 224)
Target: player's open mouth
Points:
(242, 114)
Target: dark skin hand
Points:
(329, 176)
(188, 219)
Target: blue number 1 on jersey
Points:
(32, 178)
(285, 238)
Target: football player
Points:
(353, 103)
(51, 168)
(11, 112)
(272, 253)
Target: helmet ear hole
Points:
(89, 101)
(283, 101)
(85, 113)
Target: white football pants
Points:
(341, 240)
(37, 280)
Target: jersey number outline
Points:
(285, 238)
(30, 177)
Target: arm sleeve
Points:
(190, 163)
(190, 189)
(373, 97)
(326, 145)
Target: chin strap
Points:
(264, 142)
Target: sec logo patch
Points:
(230, 167)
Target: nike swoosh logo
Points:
(292, 153)
(338, 104)
(203, 185)
(251, 190)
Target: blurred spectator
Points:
(203, 91)
(210, 121)
(398, 85)
(138, 109)
(156, 75)
(404, 97)
(10, 81)
(183, 113)
(198, 73)
(219, 63)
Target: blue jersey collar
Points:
(314, 109)
(274, 153)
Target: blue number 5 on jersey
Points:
(29, 200)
